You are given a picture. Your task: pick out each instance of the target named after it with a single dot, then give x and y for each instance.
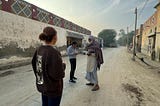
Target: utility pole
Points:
(127, 38)
(134, 41)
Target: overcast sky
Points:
(97, 15)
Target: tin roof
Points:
(74, 35)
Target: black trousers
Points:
(51, 101)
(73, 68)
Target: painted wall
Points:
(19, 35)
(22, 22)
(25, 9)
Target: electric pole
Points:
(134, 40)
(127, 38)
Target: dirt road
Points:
(122, 83)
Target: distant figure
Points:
(49, 69)
(72, 52)
(94, 61)
(130, 47)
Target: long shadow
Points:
(142, 59)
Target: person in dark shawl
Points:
(94, 61)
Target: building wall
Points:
(149, 29)
(25, 9)
(19, 35)
(158, 35)
(139, 38)
(144, 47)
(20, 28)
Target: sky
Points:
(97, 15)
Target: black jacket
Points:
(49, 71)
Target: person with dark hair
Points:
(49, 69)
(72, 52)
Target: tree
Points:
(130, 37)
(108, 36)
(122, 32)
(124, 37)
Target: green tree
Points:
(125, 38)
(122, 32)
(122, 38)
(108, 36)
(130, 37)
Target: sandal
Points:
(95, 88)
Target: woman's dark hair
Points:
(48, 34)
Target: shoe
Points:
(72, 81)
(74, 78)
(95, 88)
(89, 84)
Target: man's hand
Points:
(76, 53)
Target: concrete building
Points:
(22, 22)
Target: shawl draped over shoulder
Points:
(94, 47)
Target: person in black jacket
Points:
(49, 69)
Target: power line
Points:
(140, 13)
(145, 4)
(131, 25)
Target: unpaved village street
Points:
(122, 81)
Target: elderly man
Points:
(94, 61)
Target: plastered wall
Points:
(19, 35)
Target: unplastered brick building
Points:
(149, 35)
(150, 44)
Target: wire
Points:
(145, 4)
(131, 25)
(140, 13)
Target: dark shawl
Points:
(95, 47)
